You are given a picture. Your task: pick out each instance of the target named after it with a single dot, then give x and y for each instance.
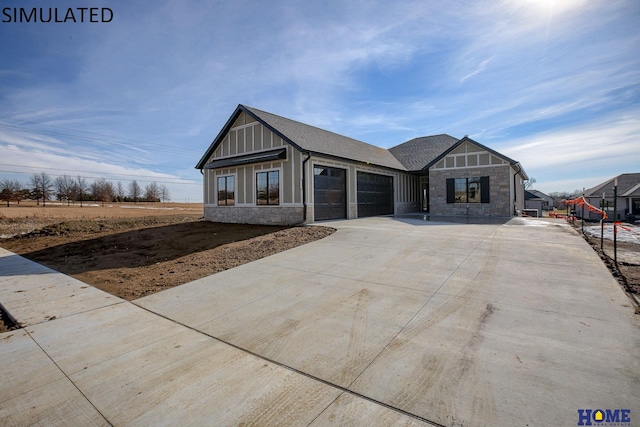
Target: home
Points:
(627, 200)
(548, 202)
(537, 201)
(266, 169)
